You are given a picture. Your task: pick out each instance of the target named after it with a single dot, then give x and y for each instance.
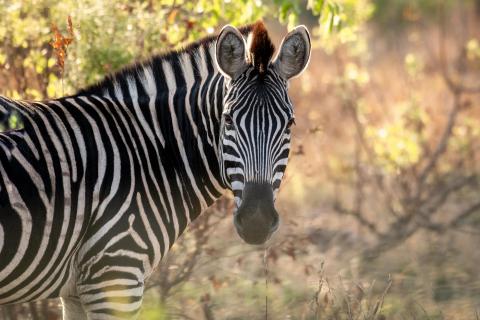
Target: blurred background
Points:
(380, 205)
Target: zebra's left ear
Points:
(294, 53)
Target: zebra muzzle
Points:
(256, 219)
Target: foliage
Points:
(60, 43)
(110, 34)
(396, 14)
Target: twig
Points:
(265, 264)
(442, 144)
(357, 215)
(465, 214)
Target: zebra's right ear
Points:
(294, 53)
(230, 52)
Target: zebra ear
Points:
(294, 53)
(230, 52)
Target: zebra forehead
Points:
(252, 105)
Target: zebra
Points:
(96, 186)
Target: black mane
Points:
(261, 48)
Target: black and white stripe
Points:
(257, 141)
(96, 187)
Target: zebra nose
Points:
(256, 219)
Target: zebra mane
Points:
(260, 49)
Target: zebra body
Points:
(96, 187)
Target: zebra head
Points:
(256, 121)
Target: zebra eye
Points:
(228, 120)
(290, 123)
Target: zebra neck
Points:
(177, 102)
